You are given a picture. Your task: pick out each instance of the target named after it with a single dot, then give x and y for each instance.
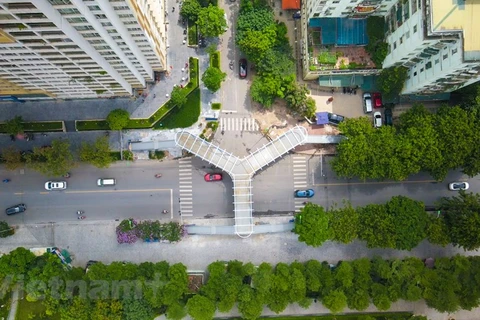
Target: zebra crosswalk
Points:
(238, 124)
(299, 178)
(185, 187)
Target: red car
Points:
(209, 177)
(377, 100)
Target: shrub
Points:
(157, 154)
(127, 155)
(216, 106)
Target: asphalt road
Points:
(139, 194)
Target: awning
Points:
(291, 4)
(322, 117)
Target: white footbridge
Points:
(243, 169)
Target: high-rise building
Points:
(436, 40)
(80, 48)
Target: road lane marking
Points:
(112, 191)
(373, 182)
(18, 193)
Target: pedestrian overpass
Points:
(243, 169)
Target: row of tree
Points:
(127, 291)
(420, 141)
(401, 223)
(265, 43)
(56, 160)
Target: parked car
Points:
(377, 119)
(242, 69)
(16, 209)
(377, 100)
(297, 15)
(304, 193)
(388, 113)
(209, 177)
(457, 186)
(335, 119)
(367, 102)
(55, 185)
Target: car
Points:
(377, 100)
(209, 177)
(367, 102)
(304, 193)
(457, 186)
(388, 114)
(377, 119)
(16, 209)
(335, 119)
(242, 68)
(297, 15)
(55, 185)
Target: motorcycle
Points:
(158, 175)
(80, 212)
(81, 217)
(165, 211)
(231, 65)
(6, 180)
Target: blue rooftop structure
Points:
(341, 31)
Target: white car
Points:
(377, 119)
(457, 186)
(55, 185)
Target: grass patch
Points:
(33, 310)
(215, 59)
(216, 106)
(326, 57)
(185, 116)
(5, 304)
(153, 121)
(46, 126)
(192, 34)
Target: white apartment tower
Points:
(439, 41)
(80, 48)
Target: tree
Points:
(437, 231)
(312, 225)
(178, 97)
(107, 310)
(55, 161)
(213, 78)
(376, 227)
(250, 305)
(12, 158)
(391, 81)
(344, 223)
(410, 220)
(76, 309)
(335, 301)
(190, 10)
(5, 230)
(98, 153)
(14, 126)
(211, 21)
(176, 311)
(118, 119)
(137, 309)
(255, 44)
(298, 101)
(462, 217)
(200, 308)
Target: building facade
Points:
(435, 39)
(80, 48)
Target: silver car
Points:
(457, 186)
(55, 185)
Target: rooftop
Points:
(458, 15)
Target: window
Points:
(437, 61)
(407, 34)
(414, 28)
(336, 1)
(428, 65)
(415, 73)
(454, 51)
(445, 56)
(421, 70)
(401, 39)
(395, 45)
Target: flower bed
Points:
(130, 230)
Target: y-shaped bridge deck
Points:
(242, 170)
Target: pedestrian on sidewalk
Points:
(186, 64)
(154, 96)
(183, 69)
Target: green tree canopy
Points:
(391, 81)
(5, 230)
(335, 301)
(376, 226)
(14, 126)
(200, 308)
(98, 153)
(312, 225)
(344, 223)
(54, 161)
(12, 157)
(190, 9)
(178, 97)
(118, 119)
(211, 21)
(213, 78)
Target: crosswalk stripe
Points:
(300, 177)
(185, 178)
(185, 199)
(300, 186)
(187, 214)
(238, 124)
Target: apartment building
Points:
(438, 41)
(80, 48)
